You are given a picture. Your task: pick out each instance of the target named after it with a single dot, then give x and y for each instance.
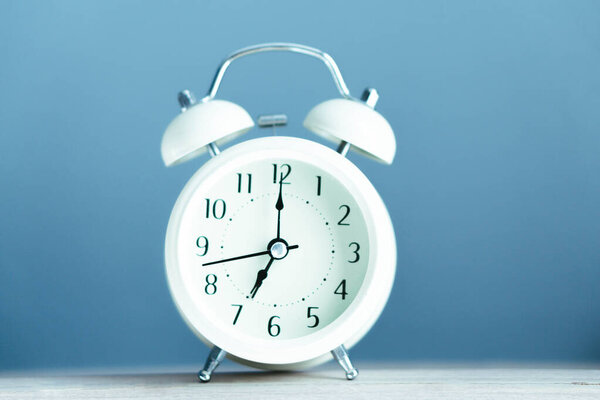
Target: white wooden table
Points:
(376, 381)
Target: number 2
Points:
(341, 221)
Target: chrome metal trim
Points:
(215, 357)
(289, 47)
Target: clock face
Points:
(273, 248)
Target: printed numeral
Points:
(240, 182)
(319, 180)
(285, 171)
(309, 314)
(217, 210)
(202, 244)
(211, 287)
(355, 251)
(341, 289)
(273, 328)
(346, 213)
(237, 314)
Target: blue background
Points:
(494, 192)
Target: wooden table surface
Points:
(377, 381)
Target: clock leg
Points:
(215, 357)
(341, 355)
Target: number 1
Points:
(318, 185)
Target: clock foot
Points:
(341, 355)
(212, 362)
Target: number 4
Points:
(341, 289)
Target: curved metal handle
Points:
(291, 47)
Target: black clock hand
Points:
(260, 253)
(279, 206)
(260, 277)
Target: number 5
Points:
(310, 315)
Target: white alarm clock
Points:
(279, 253)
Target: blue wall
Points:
(494, 193)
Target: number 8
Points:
(210, 284)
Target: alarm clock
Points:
(280, 254)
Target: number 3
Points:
(355, 251)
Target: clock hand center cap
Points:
(278, 249)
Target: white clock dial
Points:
(280, 295)
(307, 270)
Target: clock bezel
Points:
(368, 303)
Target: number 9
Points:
(202, 244)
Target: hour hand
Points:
(260, 277)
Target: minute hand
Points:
(279, 207)
(260, 253)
